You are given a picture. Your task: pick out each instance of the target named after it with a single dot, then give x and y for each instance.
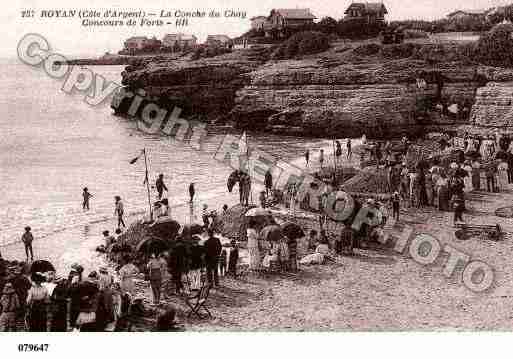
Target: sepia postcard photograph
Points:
(289, 167)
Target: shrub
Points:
(367, 49)
(495, 48)
(209, 51)
(303, 43)
(358, 28)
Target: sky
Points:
(69, 37)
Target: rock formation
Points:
(339, 92)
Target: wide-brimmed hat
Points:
(8, 289)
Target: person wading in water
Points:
(160, 185)
(191, 192)
(119, 210)
(87, 196)
(27, 240)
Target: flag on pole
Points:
(134, 160)
(243, 145)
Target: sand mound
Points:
(369, 180)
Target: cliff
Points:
(345, 91)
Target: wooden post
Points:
(147, 183)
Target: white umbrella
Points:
(255, 212)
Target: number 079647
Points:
(33, 347)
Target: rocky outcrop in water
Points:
(340, 92)
(204, 88)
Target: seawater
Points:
(53, 144)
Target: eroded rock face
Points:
(494, 105)
(351, 99)
(204, 88)
(328, 95)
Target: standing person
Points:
(338, 150)
(160, 186)
(21, 284)
(268, 181)
(261, 198)
(292, 243)
(205, 217)
(233, 258)
(502, 176)
(347, 239)
(89, 298)
(396, 201)
(9, 305)
(119, 210)
(222, 263)
(467, 180)
(59, 301)
(476, 175)
(458, 206)
(307, 157)
(429, 189)
(155, 274)
(490, 178)
(74, 281)
(105, 280)
(86, 195)
(27, 240)
(443, 193)
(127, 274)
(105, 316)
(283, 253)
(253, 248)
(349, 149)
(37, 301)
(244, 188)
(192, 192)
(213, 250)
(321, 157)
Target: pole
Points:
(249, 171)
(147, 183)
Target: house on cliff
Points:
(292, 18)
(371, 13)
(218, 40)
(469, 13)
(178, 42)
(135, 43)
(258, 23)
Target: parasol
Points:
(165, 227)
(192, 229)
(272, 233)
(41, 266)
(292, 230)
(256, 212)
(152, 245)
(232, 180)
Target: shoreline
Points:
(82, 239)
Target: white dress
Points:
(254, 252)
(502, 174)
(468, 179)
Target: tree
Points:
(327, 25)
(495, 48)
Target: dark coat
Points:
(213, 248)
